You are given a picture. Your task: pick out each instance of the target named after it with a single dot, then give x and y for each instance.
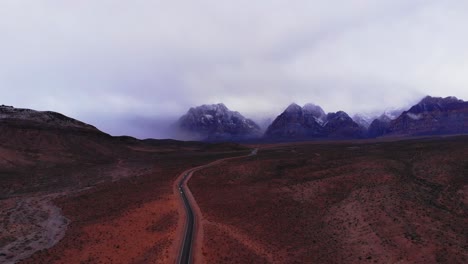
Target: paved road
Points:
(185, 255)
(186, 251)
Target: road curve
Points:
(185, 254)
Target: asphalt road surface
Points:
(185, 255)
(186, 251)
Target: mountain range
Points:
(430, 116)
(216, 123)
(310, 121)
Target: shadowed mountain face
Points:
(340, 125)
(310, 122)
(216, 122)
(379, 126)
(298, 122)
(432, 116)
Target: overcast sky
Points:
(130, 67)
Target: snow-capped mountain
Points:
(431, 116)
(216, 122)
(364, 120)
(310, 121)
(316, 112)
(298, 122)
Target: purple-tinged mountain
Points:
(216, 123)
(311, 122)
(393, 114)
(432, 116)
(340, 125)
(316, 112)
(298, 123)
(363, 120)
(379, 126)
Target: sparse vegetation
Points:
(340, 203)
(116, 194)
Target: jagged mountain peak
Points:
(213, 108)
(297, 122)
(338, 115)
(293, 107)
(432, 116)
(340, 125)
(437, 100)
(312, 107)
(314, 110)
(364, 120)
(308, 108)
(429, 103)
(216, 122)
(310, 121)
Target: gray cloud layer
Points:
(118, 63)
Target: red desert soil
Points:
(349, 202)
(81, 198)
(133, 220)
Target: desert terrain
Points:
(79, 197)
(349, 202)
(85, 197)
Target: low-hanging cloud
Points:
(116, 64)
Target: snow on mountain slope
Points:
(216, 122)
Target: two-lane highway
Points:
(186, 251)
